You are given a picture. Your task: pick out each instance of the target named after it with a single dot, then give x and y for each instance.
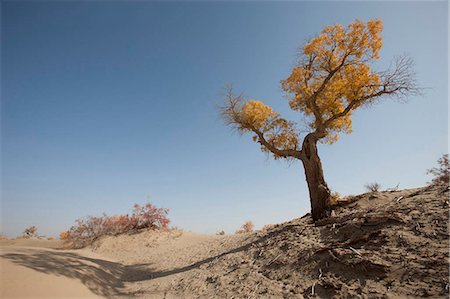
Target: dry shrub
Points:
(220, 233)
(30, 232)
(334, 199)
(148, 216)
(90, 228)
(372, 187)
(441, 173)
(247, 227)
(64, 235)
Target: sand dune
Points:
(383, 245)
(34, 268)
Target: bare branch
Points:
(231, 108)
(282, 153)
(398, 80)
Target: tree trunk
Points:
(319, 193)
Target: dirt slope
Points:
(383, 245)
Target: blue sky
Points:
(106, 104)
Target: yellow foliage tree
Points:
(333, 78)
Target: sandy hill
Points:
(382, 245)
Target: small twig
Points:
(355, 251)
(333, 256)
(393, 189)
(232, 270)
(312, 289)
(320, 273)
(254, 291)
(398, 199)
(275, 259)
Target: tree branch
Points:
(313, 97)
(282, 153)
(398, 80)
(231, 113)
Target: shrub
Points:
(441, 173)
(372, 187)
(148, 216)
(64, 235)
(247, 227)
(90, 228)
(30, 232)
(220, 233)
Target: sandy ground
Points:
(379, 245)
(113, 268)
(32, 272)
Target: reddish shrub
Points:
(119, 223)
(90, 228)
(148, 216)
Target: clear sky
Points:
(106, 104)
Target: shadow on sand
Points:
(102, 277)
(106, 278)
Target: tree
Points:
(333, 78)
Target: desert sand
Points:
(33, 272)
(33, 268)
(377, 245)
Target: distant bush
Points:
(247, 227)
(30, 232)
(220, 233)
(148, 216)
(64, 236)
(372, 187)
(441, 173)
(90, 228)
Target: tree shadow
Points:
(101, 277)
(106, 278)
(149, 275)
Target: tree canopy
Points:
(334, 77)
